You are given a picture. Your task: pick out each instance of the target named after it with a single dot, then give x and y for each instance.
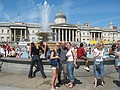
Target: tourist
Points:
(28, 50)
(98, 66)
(2, 51)
(118, 54)
(12, 53)
(71, 62)
(7, 49)
(46, 49)
(81, 54)
(90, 53)
(35, 58)
(18, 51)
(63, 63)
(112, 50)
(113, 54)
(54, 57)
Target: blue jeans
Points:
(36, 58)
(70, 71)
(119, 72)
(98, 73)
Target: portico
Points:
(18, 33)
(65, 34)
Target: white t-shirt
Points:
(69, 55)
(100, 54)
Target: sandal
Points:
(66, 85)
(95, 86)
(103, 84)
(70, 86)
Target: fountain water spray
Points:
(44, 14)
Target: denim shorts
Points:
(98, 73)
(55, 67)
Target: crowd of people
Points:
(16, 51)
(63, 58)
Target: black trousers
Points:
(36, 59)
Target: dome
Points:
(60, 15)
(60, 18)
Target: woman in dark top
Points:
(46, 49)
(35, 58)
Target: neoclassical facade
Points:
(19, 31)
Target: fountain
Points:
(45, 34)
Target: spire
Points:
(111, 25)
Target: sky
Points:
(96, 12)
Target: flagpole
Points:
(18, 17)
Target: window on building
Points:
(87, 33)
(8, 31)
(105, 34)
(2, 31)
(83, 39)
(33, 38)
(2, 39)
(83, 33)
(88, 39)
(8, 38)
(33, 31)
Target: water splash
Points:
(45, 10)
(44, 14)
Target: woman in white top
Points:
(98, 63)
(71, 62)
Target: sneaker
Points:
(86, 68)
(44, 77)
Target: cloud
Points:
(105, 20)
(26, 12)
(3, 15)
(1, 7)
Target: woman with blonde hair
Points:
(71, 63)
(98, 66)
(54, 57)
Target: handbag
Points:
(53, 62)
(78, 65)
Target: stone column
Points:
(76, 35)
(62, 34)
(21, 35)
(25, 34)
(55, 35)
(73, 36)
(94, 35)
(58, 34)
(79, 36)
(69, 36)
(98, 35)
(66, 35)
(91, 35)
(14, 35)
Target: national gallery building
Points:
(19, 31)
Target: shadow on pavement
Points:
(117, 82)
(77, 81)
